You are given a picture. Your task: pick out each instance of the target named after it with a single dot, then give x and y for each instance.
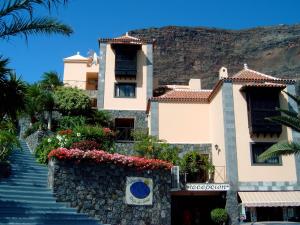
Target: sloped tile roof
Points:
(185, 95)
(126, 39)
(248, 74)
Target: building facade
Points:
(226, 123)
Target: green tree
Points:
(289, 118)
(72, 101)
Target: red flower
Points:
(99, 156)
(65, 132)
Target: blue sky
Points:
(92, 19)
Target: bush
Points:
(218, 216)
(103, 136)
(86, 145)
(70, 122)
(102, 118)
(196, 166)
(8, 141)
(63, 139)
(151, 147)
(72, 101)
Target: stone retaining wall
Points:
(99, 190)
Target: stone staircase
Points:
(26, 200)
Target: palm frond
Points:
(282, 148)
(14, 7)
(291, 112)
(27, 27)
(294, 97)
(289, 121)
(4, 70)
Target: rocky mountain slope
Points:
(182, 53)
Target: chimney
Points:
(223, 73)
(195, 84)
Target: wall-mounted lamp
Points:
(217, 149)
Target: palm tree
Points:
(291, 119)
(17, 18)
(49, 83)
(13, 96)
(51, 80)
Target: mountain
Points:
(181, 53)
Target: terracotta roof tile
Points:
(253, 75)
(185, 95)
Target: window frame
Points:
(264, 163)
(117, 84)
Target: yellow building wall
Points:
(217, 137)
(75, 73)
(137, 103)
(184, 122)
(246, 171)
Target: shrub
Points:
(64, 139)
(197, 166)
(151, 147)
(72, 101)
(102, 118)
(103, 136)
(70, 122)
(8, 141)
(99, 157)
(218, 216)
(86, 145)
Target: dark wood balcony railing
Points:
(124, 134)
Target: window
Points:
(262, 103)
(257, 149)
(125, 90)
(124, 128)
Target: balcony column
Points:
(230, 152)
(101, 76)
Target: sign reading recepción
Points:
(139, 191)
(206, 187)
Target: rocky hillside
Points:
(197, 52)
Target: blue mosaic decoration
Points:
(139, 190)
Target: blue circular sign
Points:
(139, 190)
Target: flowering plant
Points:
(86, 145)
(99, 157)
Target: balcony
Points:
(181, 180)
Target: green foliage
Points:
(70, 122)
(193, 162)
(35, 127)
(97, 134)
(44, 148)
(8, 141)
(72, 101)
(18, 18)
(218, 216)
(151, 147)
(102, 118)
(291, 119)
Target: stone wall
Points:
(35, 139)
(99, 190)
(139, 117)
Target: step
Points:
(43, 170)
(24, 188)
(51, 223)
(29, 219)
(25, 193)
(34, 209)
(32, 203)
(50, 215)
(32, 176)
(25, 181)
(17, 197)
